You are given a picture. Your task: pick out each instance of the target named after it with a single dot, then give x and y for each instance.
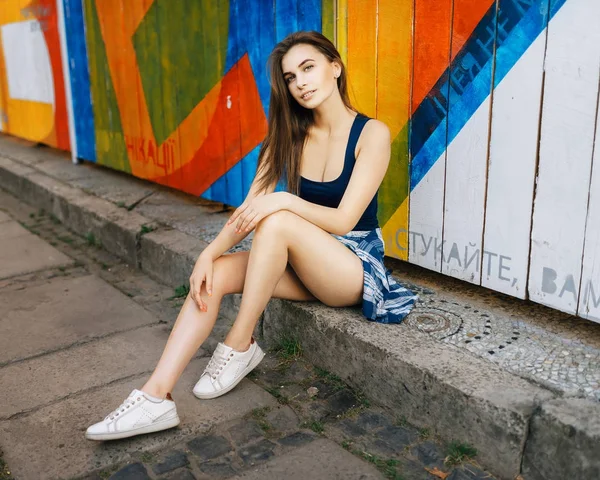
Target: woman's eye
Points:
(308, 66)
(289, 79)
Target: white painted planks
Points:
(589, 298)
(512, 164)
(567, 134)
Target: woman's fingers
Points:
(237, 213)
(248, 220)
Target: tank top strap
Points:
(357, 128)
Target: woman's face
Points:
(311, 78)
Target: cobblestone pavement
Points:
(313, 406)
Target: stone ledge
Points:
(456, 394)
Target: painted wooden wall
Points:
(492, 105)
(32, 88)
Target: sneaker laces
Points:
(129, 401)
(218, 361)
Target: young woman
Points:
(318, 240)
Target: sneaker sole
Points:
(155, 427)
(251, 366)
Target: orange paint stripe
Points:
(467, 14)
(432, 32)
(362, 55)
(432, 45)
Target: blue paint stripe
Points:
(518, 28)
(255, 31)
(83, 115)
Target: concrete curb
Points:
(515, 425)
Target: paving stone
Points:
(23, 252)
(134, 471)
(318, 411)
(43, 380)
(409, 469)
(297, 439)
(37, 319)
(298, 372)
(429, 454)
(258, 452)
(173, 460)
(469, 472)
(209, 446)
(221, 468)
(394, 439)
(182, 474)
(351, 428)
(325, 389)
(283, 419)
(372, 420)
(321, 459)
(245, 431)
(341, 402)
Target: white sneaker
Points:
(139, 413)
(226, 369)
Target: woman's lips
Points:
(308, 95)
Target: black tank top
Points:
(329, 194)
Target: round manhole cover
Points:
(437, 323)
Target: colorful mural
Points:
(32, 93)
(492, 105)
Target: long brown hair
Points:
(289, 122)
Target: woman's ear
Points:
(337, 69)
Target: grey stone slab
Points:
(63, 169)
(4, 217)
(50, 442)
(564, 441)
(433, 385)
(43, 380)
(116, 187)
(22, 252)
(319, 460)
(52, 316)
(169, 256)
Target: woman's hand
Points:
(249, 213)
(202, 273)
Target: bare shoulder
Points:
(375, 135)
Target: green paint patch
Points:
(110, 142)
(395, 185)
(181, 49)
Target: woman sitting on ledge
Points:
(319, 240)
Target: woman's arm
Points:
(371, 164)
(228, 237)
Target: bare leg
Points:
(193, 326)
(327, 268)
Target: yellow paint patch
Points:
(30, 120)
(362, 55)
(395, 233)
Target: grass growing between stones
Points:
(282, 399)
(458, 452)
(4, 470)
(146, 229)
(330, 378)
(315, 426)
(260, 415)
(92, 240)
(385, 466)
(180, 292)
(287, 350)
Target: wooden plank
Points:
(341, 30)
(362, 55)
(513, 149)
(589, 300)
(394, 67)
(567, 135)
(466, 155)
(429, 98)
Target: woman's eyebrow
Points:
(302, 63)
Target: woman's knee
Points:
(229, 272)
(277, 222)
